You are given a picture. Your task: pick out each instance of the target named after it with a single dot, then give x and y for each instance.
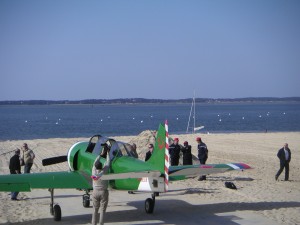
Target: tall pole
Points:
(194, 113)
(188, 126)
(193, 105)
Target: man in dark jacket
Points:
(174, 150)
(15, 168)
(202, 154)
(149, 153)
(187, 155)
(284, 155)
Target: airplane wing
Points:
(61, 180)
(116, 176)
(181, 172)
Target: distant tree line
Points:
(148, 101)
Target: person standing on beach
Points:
(149, 153)
(28, 157)
(15, 168)
(202, 154)
(187, 155)
(133, 151)
(284, 155)
(174, 151)
(100, 192)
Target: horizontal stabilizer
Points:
(181, 172)
(198, 171)
(54, 160)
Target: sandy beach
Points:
(259, 199)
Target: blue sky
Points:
(56, 50)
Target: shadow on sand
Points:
(172, 212)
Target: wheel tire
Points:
(149, 205)
(86, 203)
(57, 213)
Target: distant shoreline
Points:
(133, 101)
(171, 134)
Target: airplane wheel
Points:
(149, 205)
(86, 201)
(57, 213)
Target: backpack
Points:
(230, 185)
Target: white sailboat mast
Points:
(193, 105)
(194, 113)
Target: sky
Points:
(166, 49)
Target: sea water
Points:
(49, 121)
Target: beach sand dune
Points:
(259, 198)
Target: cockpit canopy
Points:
(99, 145)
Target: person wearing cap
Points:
(202, 154)
(174, 150)
(15, 168)
(187, 155)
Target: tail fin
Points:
(160, 156)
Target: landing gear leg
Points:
(86, 199)
(150, 203)
(55, 210)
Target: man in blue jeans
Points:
(15, 168)
(28, 157)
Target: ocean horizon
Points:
(21, 122)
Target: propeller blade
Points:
(54, 160)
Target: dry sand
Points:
(259, 198)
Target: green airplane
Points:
(125, 173)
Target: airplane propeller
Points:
(54, 160)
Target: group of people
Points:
(284, 155)
(175, 148)
(100, 187)
(16, 161)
